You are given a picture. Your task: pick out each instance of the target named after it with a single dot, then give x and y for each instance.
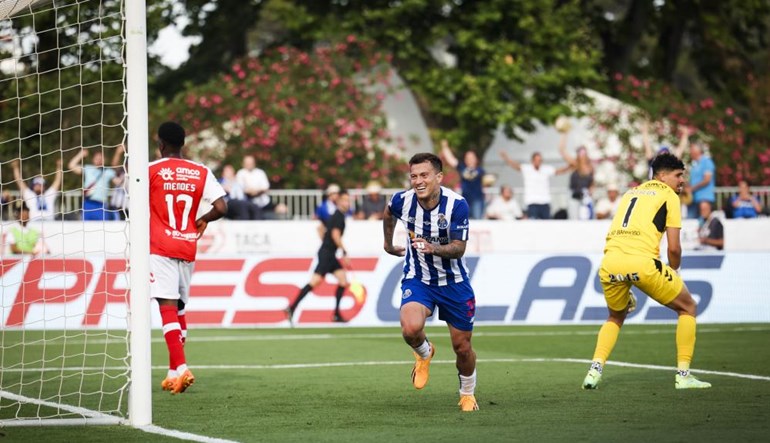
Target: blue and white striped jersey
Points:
(447, 221)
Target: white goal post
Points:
(140, 395)
(74, 328)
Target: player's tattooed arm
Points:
(388, 228)
(454, 249)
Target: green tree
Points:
(701, 48)
(223, 27)
(474, 66)
(66, 90)
(304, 116)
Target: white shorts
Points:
(170, 278)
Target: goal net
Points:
(64, 242)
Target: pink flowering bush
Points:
(309, 118)
(739, 149)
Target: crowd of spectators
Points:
(104, 195)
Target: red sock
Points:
(172, 332)
(183, 325)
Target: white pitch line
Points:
(328, 336)
(152, 429)
(634, 365)
(95, 417)
(481, 360)
(87, 413)
(104, 418)
(408, 362)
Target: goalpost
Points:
(74, 341)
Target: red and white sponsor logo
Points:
(224, 291)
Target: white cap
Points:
(373, 187)
(332, 189)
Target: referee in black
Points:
(327, 258)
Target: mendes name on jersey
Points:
(177, 187)
(446, 222)
(643, 215)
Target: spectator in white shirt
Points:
(254, 183)
(608, 206)
(537, 184)
(238, 206)
(504, 206)
(40, 201)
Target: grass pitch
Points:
(352, 384)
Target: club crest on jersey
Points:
(442, 221)
(406, 294)
(166, 174)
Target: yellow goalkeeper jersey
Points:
(643, 215)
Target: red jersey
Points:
(177, 187)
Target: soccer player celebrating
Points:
(435, 274)
(632, 258)
(177, 187)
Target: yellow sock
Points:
(685, 341)
(608, 336)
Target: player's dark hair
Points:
(666, 162)
(423, 157)
(172, 134)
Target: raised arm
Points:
(74, 163)
(649, 154)
(572, 161)
(448, 155)
(511, 162)
(117, 156)
(684, 141)
(17, 175)
(57, 177)
(388, 228)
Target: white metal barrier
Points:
(301, 203)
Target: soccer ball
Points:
(563, 124)
(358, 291)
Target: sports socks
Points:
(182, 325)
(338, 295)
(685, 342)
(423, 350)
(172, 332)
(467, 383)
(300, 296)
(608, 336)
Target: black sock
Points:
(338, 294)
(301, 295)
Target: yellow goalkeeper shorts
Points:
(618, 272)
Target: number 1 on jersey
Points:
(628, 212)
(184, 198)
